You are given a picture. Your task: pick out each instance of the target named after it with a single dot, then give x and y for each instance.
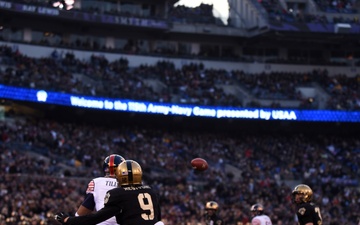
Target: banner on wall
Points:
(84, 16)
(125, 105)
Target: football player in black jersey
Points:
(211, 217)
(132, 203)
(306, 211)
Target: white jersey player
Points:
(98, 187)
(258, 216)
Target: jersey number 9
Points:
(146, 203)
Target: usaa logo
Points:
(283, 115)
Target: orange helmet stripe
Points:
(111, 165)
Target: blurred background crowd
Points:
(45, 167)
(193, 83)
(46, 163)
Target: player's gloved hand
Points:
(60, 217)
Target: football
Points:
(199, 164)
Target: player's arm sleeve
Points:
(83, 211)
(95, 218)
(89, 202)
(88, 205)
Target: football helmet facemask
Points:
(257, 209)
(110, 164)
(212, 205)
(305, 192)
(129, 173)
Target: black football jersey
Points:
(214, 220)
(308, 213)
(131, 205)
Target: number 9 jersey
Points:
(132, 203)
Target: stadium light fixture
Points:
(64, 4)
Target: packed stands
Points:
(46, 161)
(244, 168)
(192, 84)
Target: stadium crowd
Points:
(45, 166)
(191, 84)
(327, 11)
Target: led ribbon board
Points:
(124, 105)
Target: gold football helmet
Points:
(305, 191)
(212, 205)
(128, 173)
